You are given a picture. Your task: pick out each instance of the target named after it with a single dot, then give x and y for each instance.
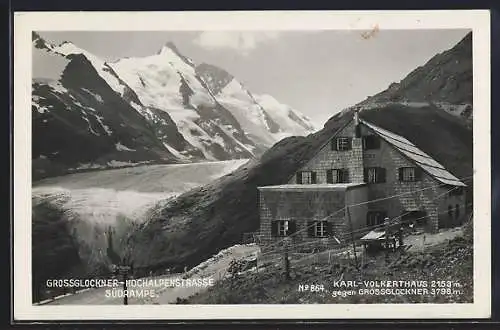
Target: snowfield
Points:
(102, 67)
(157, 79)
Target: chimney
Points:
(357, 128)
(357, 166)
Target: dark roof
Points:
(420, 158)
(314, 186)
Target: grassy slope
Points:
(269, 286)
(203, 221)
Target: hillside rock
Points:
(78, 121)
(445, 81)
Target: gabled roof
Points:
(423, 160)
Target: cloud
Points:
(242, 41)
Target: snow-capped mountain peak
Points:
(190, 111)
(261, 123)
(169, 49)
(291, 120)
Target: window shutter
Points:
(311, 228)
(345, 175)
(329, 176)
(380, 174)
(418, 173)
(313, 177)
(349, 143)
(334, 144)
(329, 228)
(274, 228)
(292, 227)
(299, 177)
(400, 173)
(365, 174)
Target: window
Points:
(319, 228)
(337, 176)
(374, 174)
(457, 211)
(371, 142)
(282, 228)
(341, 144)
(375, 218)
(457, 191)
(409, 174)
(306, 177)
(450, 211)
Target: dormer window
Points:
(342, 143)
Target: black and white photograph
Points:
(252, 165)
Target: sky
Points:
(318, 73)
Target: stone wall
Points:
(304, 207)
(327, 159)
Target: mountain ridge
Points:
(184, 120)
(440, 82)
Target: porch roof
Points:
(316, 186)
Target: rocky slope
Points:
(79, 121)
(88, 113)
(205, 220)
(444, 81)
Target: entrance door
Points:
(417, 218)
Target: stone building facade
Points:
(311, 213)
(369, 171)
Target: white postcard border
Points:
(26, 22)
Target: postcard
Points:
(251, 165)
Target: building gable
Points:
(415, 155)
(324, 158)
(344, 160)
